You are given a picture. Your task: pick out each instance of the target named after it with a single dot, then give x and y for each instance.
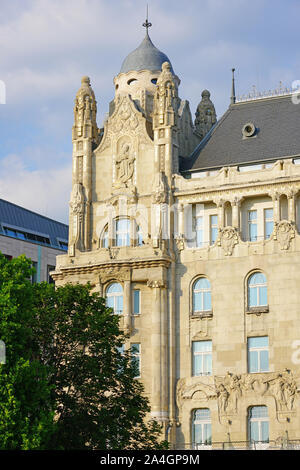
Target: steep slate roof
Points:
(277, 120)
(18, 217)
(145, 57)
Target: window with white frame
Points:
(252, 225)
(122, 232)
(199, 231)
(202, 357)
(201, 295)
(201, 428)
(268, 222)
(257, 290)
(104, 238)
(213, 229)
(136, 301)
(136, 358)
(258, 425)
(258, 354)
(114, 297)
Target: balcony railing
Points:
(279, 444)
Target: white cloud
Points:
(43, 191)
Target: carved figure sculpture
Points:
(124, 166)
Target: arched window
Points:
(104, 238)
(122, 232)
(257, 290)
(258, 426)
(201, 295)
(114, 297)
(201, 431)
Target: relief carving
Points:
(228, 238)
(284, 233)
(124, 167)
(230, 389)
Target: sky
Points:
(48, 45)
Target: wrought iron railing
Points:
(278, 444)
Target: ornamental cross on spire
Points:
(147, 24)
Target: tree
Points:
(26, 406)
(100, 405)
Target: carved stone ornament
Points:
(159, 194)
(156, 284)
(124, 118)
(77, 199)
(284, 233)
(180, 243)
(124, 167)
(228, 238)
(113, 252)
(230, 389)
(114, 273)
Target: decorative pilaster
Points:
(159, 345)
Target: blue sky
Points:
(48, 45)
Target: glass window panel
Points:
(197, 364)
(258, 341)
(197, 433)
(201, 346)
(202, 283)
(136, 302)
(265, 431)
(198, 302)
(110, 302)
(207, 433)
(252, 215)
(253, 232)
(263, 300)
(268, 229)
(207, 364)
(259, 412)
(254, 432)
(253, 361)
(207, 301)
(119, 304)
(264, 361)
(257, 278)
(252, 297)
(115, 287)
(269, 213)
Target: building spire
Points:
(233, 97)
(147, 24)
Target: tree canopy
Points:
(67, 382)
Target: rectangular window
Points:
(136, 358)
(258, 354)
(199, 232)
(252, 225)
(269, 223)
(123, 232)
(49, 278)
(213, 229)
(202, 357)
(136, 302)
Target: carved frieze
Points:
(114, 273)
(231, 389)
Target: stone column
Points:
(221, 215)
(236, 206)
(180, 221)
(127, 305)
(276, 209)
(291, 207)
(159, 342)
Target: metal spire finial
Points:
(147, 24)
(233, 97)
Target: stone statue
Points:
(205, 115)
(124, 167)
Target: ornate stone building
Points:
(191, 232)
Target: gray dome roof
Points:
(145, 57)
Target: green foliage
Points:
(66, 384)
(26, 411)
(100, 405)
